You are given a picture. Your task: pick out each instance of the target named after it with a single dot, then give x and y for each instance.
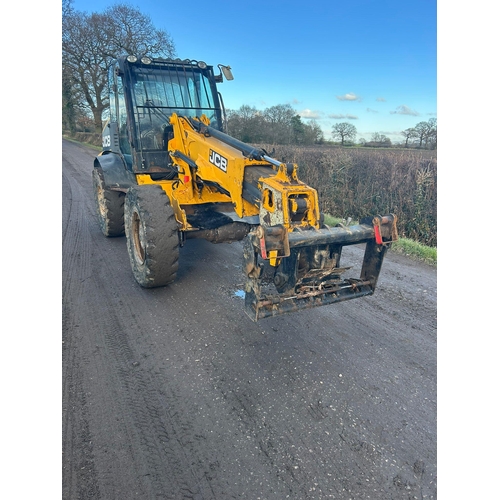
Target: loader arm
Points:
(211, 163)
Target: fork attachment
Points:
(290, 271)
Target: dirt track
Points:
(174, 393)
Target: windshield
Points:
(157, 93)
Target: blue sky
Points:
(369, 63)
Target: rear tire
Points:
(109, 206)
(152, 236)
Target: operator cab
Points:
(144, 93)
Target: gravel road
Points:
(174, 393)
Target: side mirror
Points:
(226, 70)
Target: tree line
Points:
(282, 125)
(423, 136)
(277, 124)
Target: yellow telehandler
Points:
(169, 172)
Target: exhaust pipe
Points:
(228, 233)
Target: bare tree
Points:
(421, 130)
(91, 41)
(246, 124)
(313, 133)
(427, 132)
(431, 136)
(409, 133)
(279, 123)
(127, 31)
(344, 131)
(66, 7)
(379, 140)
(69, 102)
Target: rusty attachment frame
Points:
(311, 275)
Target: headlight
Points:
(132, 59)
(146, 60)
(202, 64)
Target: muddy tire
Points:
(109, 206)
(152, 236)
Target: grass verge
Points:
(416, 250)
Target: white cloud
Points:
(348, 97)
(309, 114)
(342, 117)
(404, 110)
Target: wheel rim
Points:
(138, 238)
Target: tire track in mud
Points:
(79, 472)
(164, 444)
(155, 447)
(156, 431)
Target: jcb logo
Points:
(218, 160)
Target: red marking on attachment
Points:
(378, 237)
(263, 248)
(186, 179)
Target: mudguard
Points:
(117, 175)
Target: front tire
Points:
(152, 236)
(109, 206)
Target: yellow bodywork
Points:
(211, 171)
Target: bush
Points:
(85, 137)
